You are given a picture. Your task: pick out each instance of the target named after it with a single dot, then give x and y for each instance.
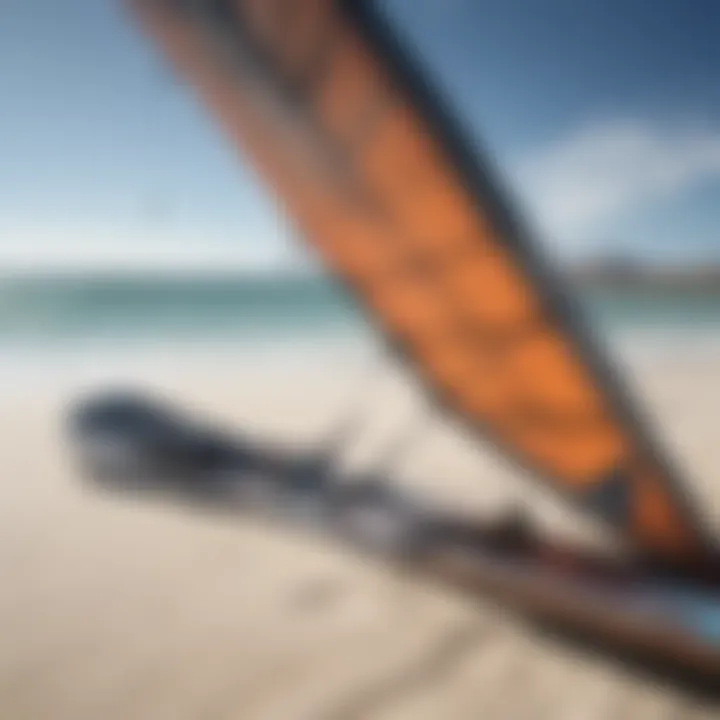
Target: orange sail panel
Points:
(363, 157)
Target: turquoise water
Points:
(151, 309)
(146, 310)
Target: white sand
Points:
(114, 608)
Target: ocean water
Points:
(149, 310)
(77, 312)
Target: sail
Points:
(364, 158)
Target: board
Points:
(637, 608)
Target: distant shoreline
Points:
(641, 277)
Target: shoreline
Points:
(68, 359)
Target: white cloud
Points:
(576, 187)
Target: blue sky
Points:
(603, 115)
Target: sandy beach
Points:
(118, 608)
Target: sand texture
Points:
(118, 608)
